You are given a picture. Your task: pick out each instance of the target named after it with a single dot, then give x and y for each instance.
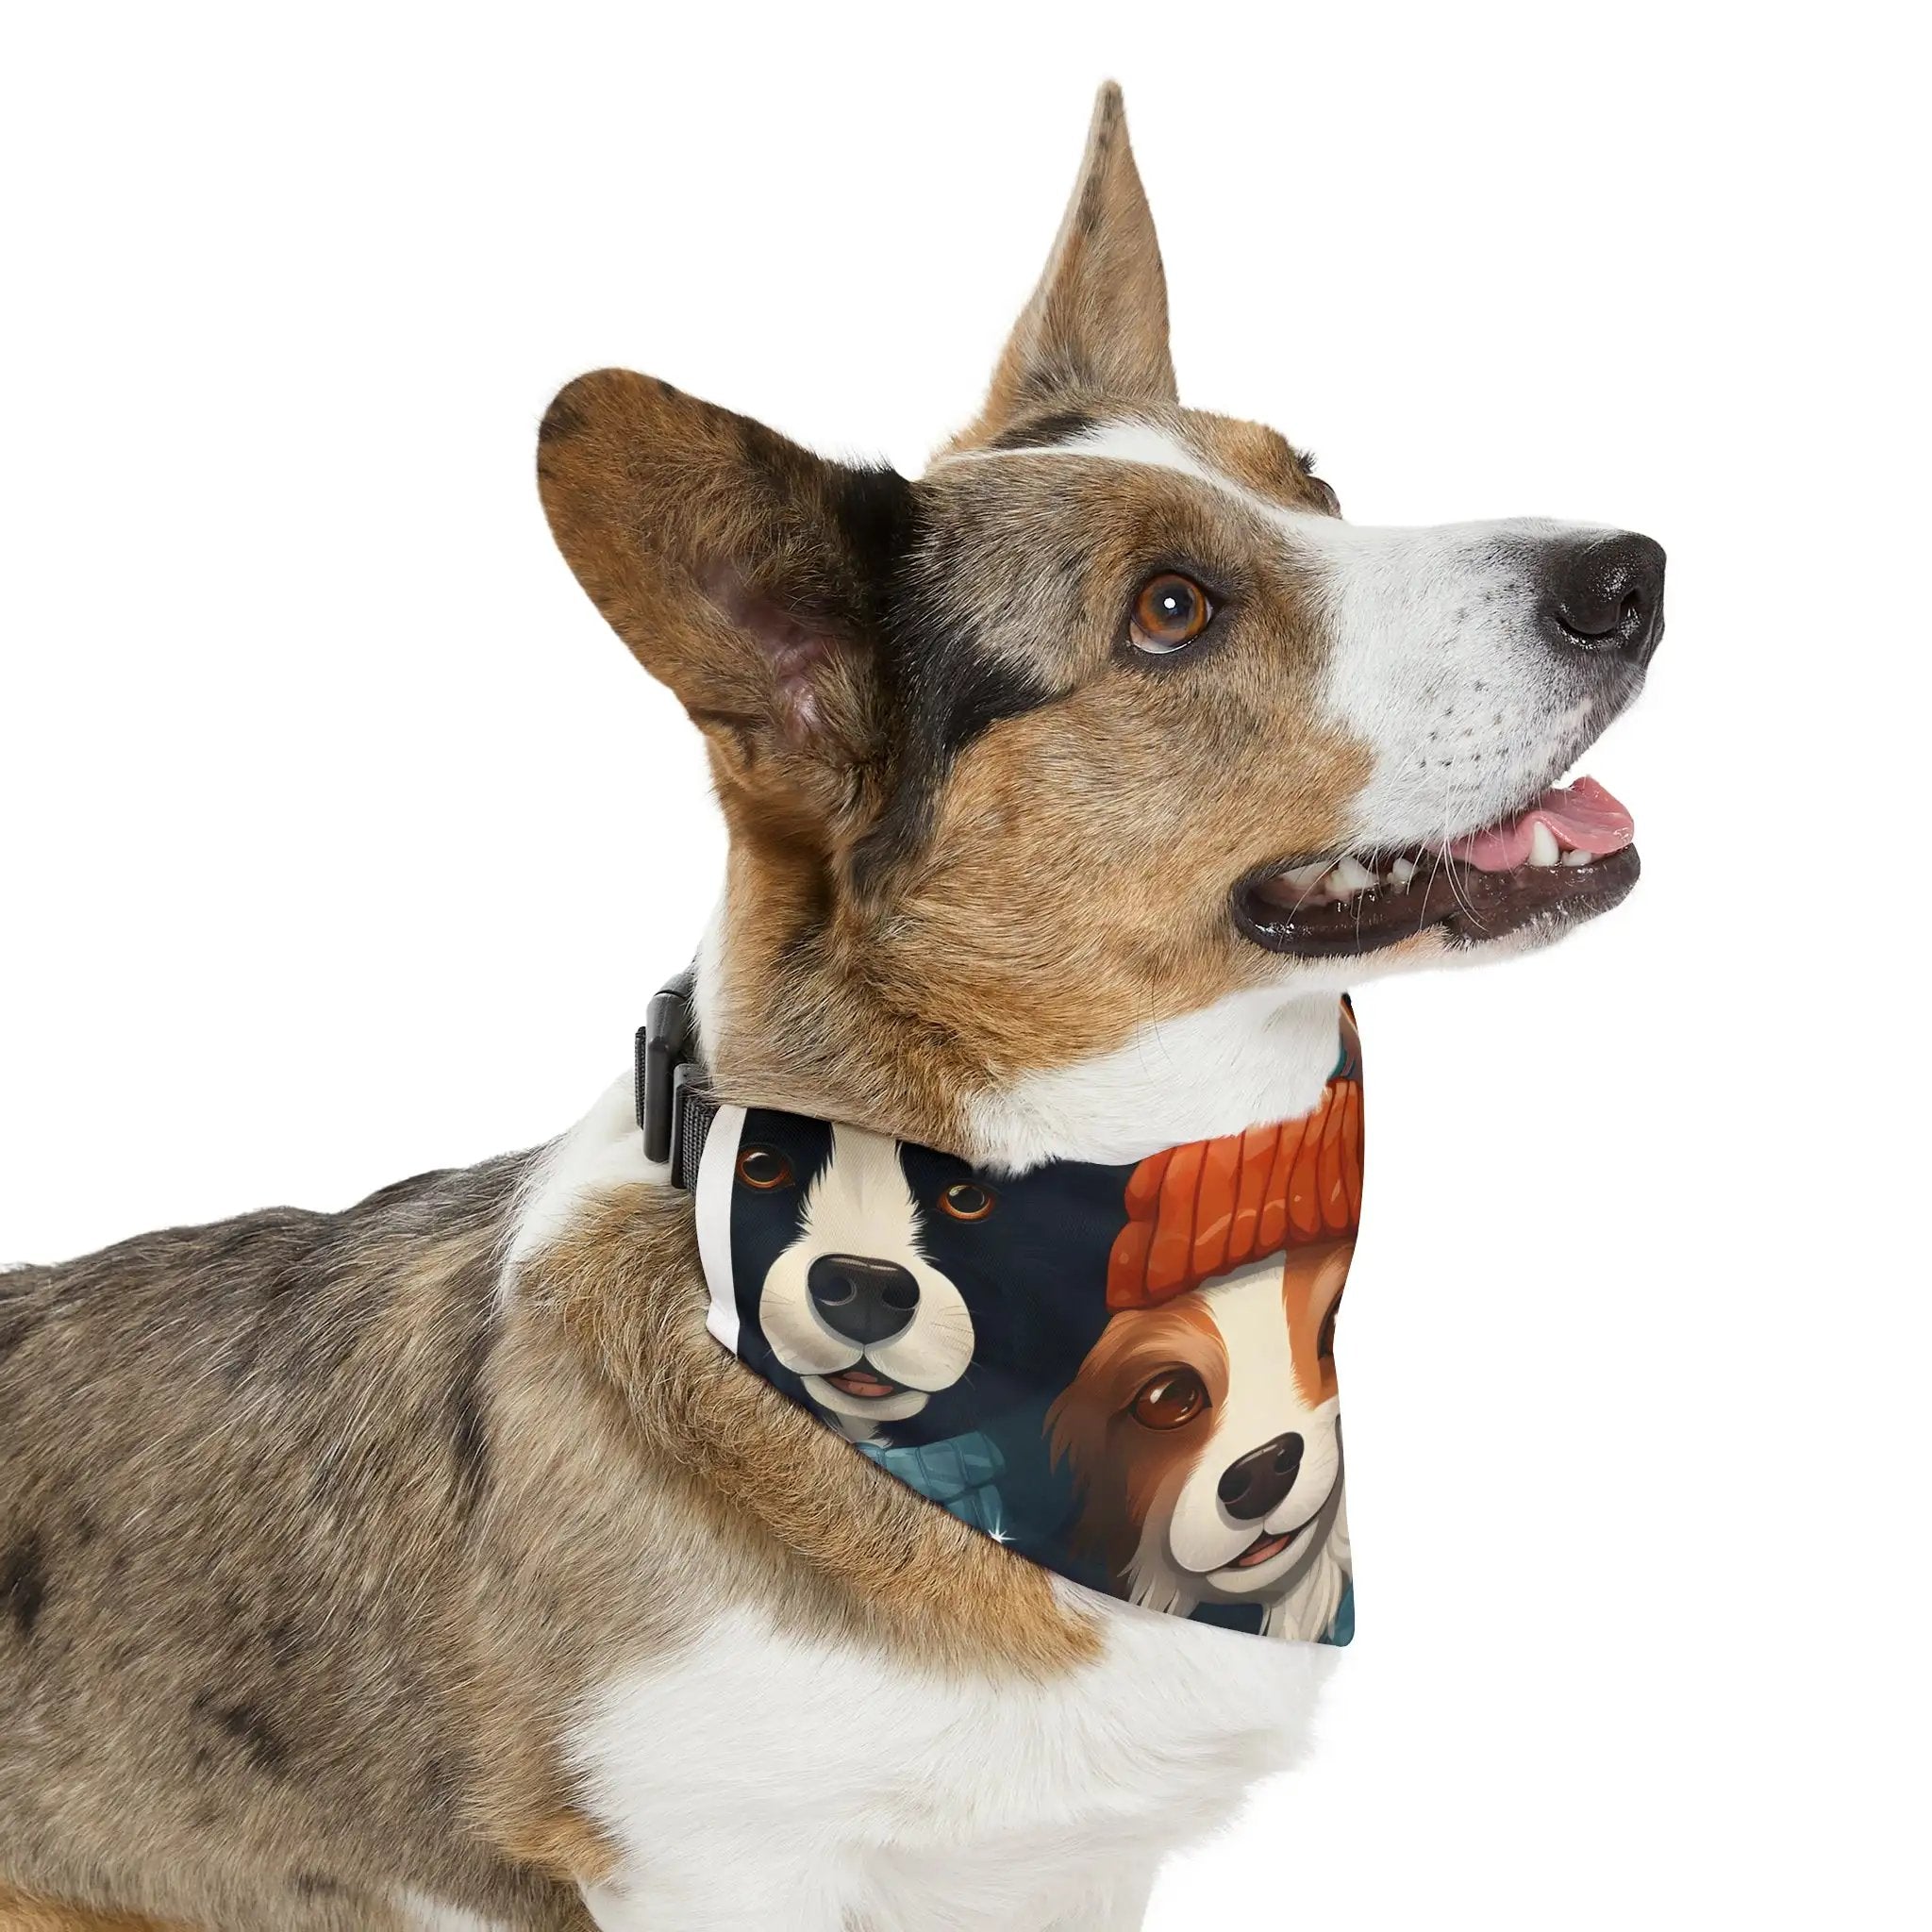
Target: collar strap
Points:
(675, 1113)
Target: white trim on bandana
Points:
(717, 1166)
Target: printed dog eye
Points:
(1324, 1342)
(1169, 614)
(765, 1169)
(968, 1200)
(1169, 1399)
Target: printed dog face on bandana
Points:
(850, 1303)
(1203, 1434)
(884, 1278)
(1202, 1431)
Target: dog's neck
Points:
(805, 1039)
(1250, 1057)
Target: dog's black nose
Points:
(1605, 593)
(1253, 1484)
(865, 1301)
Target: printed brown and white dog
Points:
(1202, 1429)
(428, 1563)
(1205, 1436)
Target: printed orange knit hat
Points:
(1198, 1210)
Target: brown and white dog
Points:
(427, 1564)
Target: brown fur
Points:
(251, 1464)
(1097, 324)
(22, 1914)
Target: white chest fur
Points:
(758, 1779)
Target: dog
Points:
(429, 1564)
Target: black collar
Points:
(674, 1112)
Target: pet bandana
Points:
(1125, 1374)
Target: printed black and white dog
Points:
(879, 1277)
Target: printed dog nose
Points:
(1255, 1483)
(1607, 594)
(865, 1301)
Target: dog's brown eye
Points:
(1168, 1399)
(764, 1168)
(968, 1200)
(1171, 612)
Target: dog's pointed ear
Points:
(1096, 326)
(747, 573)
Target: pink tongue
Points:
(1583, 816)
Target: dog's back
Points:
(235, 1466)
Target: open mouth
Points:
(1565, 856)
(1265, 1548)
(863, 1384)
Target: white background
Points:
(340, 840)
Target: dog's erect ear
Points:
(1097, 324)
(746, 573)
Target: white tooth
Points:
(1332, 886)
(1578, 858)
(1543, 849)
(1402, 872)
(1306, 877)
(1350, 876)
